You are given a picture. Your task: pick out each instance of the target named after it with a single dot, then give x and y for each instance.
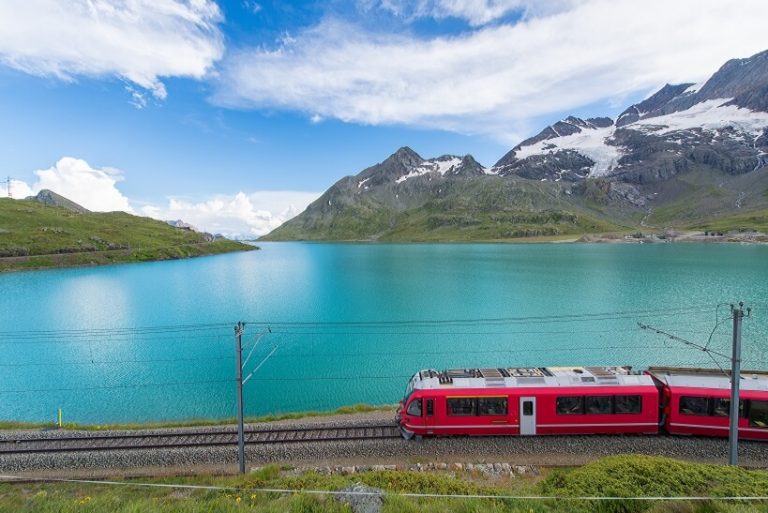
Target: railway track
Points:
(187, 439)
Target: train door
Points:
(527, 415)
(429, 414)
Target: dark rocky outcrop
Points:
(50, 198)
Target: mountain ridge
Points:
(686, 154)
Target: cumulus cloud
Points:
(236, 216)
(139, 41)
(241, 215)
(497, 78)
(18, 189)
(94, 189)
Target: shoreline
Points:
(104, 258)
(635, 237)
(7, 426)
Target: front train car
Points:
(529, 401)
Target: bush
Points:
(650, 476)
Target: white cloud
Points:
(252, 6)
(19, 189)
(475, 12)
(236, 216)
(75, 179)
(139, 41)
(496, 79)
(239, 216)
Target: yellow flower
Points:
(253, 497)
(237, 500)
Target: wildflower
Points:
(237, 500)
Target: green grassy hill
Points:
(34, 235)
(486, 208)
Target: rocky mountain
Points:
(687, 155)
(52, 199)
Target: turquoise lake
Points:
(350, 322)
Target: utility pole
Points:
(733, 428)
(240, 428)
(733, 431)
(8, 186)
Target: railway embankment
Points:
(342, 443)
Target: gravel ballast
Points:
(538, 450)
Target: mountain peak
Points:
(406, 153)
(52, 199)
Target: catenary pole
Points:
(240, 428)
(733, 431)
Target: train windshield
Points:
(409, 388)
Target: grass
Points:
(35, 236)
(649, 476)
(487, 208)
(355, 408)
(757, 220)
(628, 475)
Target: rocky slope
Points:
(686, 156)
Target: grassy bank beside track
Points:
(355, 408)
(631, 481)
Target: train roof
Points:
(510, 377)
(709, 378)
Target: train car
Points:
(697, 402)
(529, 401)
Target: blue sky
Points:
(233, 115)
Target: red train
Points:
(581, 400)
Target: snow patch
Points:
(708, 115)
(442, 166)
(589, 142)
(694, 88)
(362, 182)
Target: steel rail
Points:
(191, 439)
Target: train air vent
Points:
(602, 371)
(490, 373)
(494, 382)
(587, 379)
(530, 380)
(525, 372)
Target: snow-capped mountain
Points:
(721, 123)
(687, 154)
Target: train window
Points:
(461, 406)
(722, 408)
(573, 405)
(430, 407)
(628, 404)
(415, 408)
(758, 414)
(491, 405)
(528, 408)
(693, 405)
(597, 404)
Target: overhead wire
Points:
(185, 328)
(119, 386)
(374, 493)
(344, 354)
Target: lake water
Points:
(350, 322)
